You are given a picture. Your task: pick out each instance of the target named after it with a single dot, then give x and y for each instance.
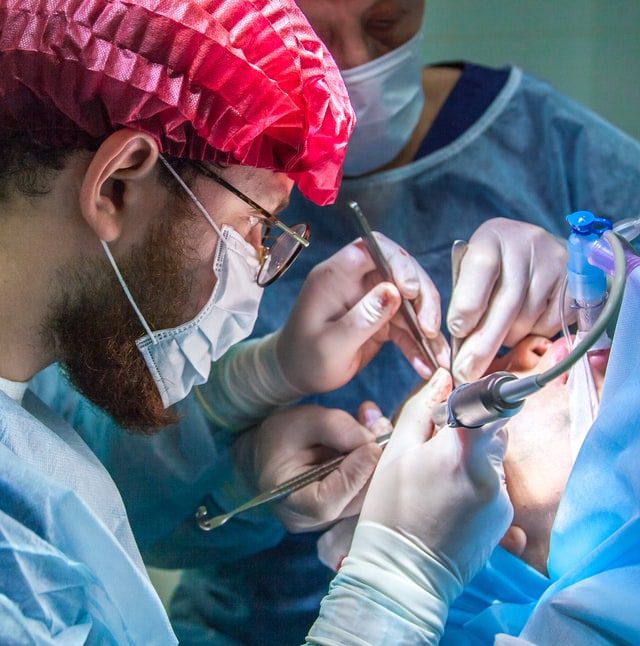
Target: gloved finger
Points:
(549, 321)
(319, 289)
(541, 295)
(355, 506)
(325, 501)
(482, 345)
(371, 417)
(479, 271)
(337, 430)
(414, 426)
(371, 313)
(483, 451)
(414, 284)
(407, 344)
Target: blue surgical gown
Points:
(70, 571)
(533, 155)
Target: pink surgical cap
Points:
(239, 81)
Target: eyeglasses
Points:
(278, 251)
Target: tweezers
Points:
(406, 308)
(207, 523)
(458, 249)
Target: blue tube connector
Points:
(587, 284)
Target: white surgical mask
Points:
(387, 97)
(180, 358)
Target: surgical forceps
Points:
(458, 249)
(277, 493)
(406, 308)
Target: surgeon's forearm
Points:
(386, 592)
(247, 384)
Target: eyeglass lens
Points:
(282, 251)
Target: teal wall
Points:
(589, 49)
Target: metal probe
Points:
(406, 308)
(207, 523)
(458, 250)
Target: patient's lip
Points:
(554, 355)
(598, 359)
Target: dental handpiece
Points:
(477, 403)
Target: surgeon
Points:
(128, 254)
(439, 152)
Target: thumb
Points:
(483, 451)
(372, 312)
(342, 486)
(414, 425)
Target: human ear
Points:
(117, 170)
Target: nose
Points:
(355, 49)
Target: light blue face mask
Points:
(180, 358)
(386, 94)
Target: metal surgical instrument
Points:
(283, 490)
(458, 249)
(406, 308)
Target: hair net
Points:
(238, 81)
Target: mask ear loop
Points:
(191, 194)
(136, 309)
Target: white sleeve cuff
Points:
(387, 591)
(247, 384)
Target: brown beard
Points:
(93, 328)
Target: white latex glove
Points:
(344, 313)
(509, 286)
(433, 514)
(292, 441)
(446, 494)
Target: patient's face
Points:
(538, 458)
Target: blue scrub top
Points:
(532, 155)
(70, 571)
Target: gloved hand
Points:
(433, 513)
(344, 313)
(509, 286)
(446, 495)
(291, 441)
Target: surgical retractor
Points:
(502, 394)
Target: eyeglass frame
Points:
(302, 240)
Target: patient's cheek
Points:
(537, 465)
